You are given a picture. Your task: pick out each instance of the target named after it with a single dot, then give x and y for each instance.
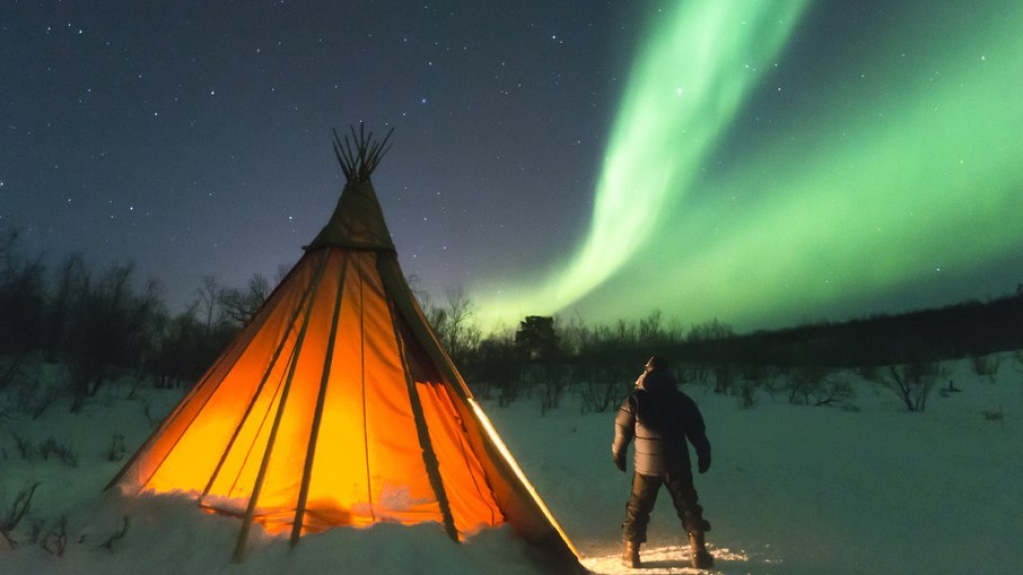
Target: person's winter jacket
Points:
(660, 418)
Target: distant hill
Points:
(962, 330)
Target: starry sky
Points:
(764, 163)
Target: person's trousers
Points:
(644, 496)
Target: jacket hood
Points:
(657, 382)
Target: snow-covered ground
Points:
(793, 490)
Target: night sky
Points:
(762, 163)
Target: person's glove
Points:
(704, 463)
(619, 461)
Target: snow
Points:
(794, 490)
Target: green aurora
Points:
(897, 174)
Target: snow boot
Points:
(630, 557)
(702, 559)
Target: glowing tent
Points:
(337, 406)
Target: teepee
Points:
(337, 406)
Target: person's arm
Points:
(696, 433)
(625, 422)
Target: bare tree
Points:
(913, 382)
(709, 331)
(107, 326)
(817, 385)
(496, 367)
(652, 333)
(69, 277)
(206, 306)
(239, 305)
(454, 324)
(22, 303)
(18, 510)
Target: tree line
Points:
(101, 325)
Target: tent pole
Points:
(362, 394)
(429, 455)
(262, 383)
(197, 389)
(399, 293)
(314, 433)
(243, 535)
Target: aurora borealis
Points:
(903, 175)
(757, 162)
(670, 118)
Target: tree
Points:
(495, 365)
(107, 326)
(710, 331)
(69, 275)
(913, 382)
(709, 340)
(240, 306)
(454, 325)
(22, 301)
(536, 339)
(653, 334)
(206, 306)
(186, 349)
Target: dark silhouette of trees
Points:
(107, 326)
(22, 307)
(103, 325)
(538, 348)
(240, 305)
(495, 366)
(455, 325)
(536, 339)
(190, 342)
(957, 331)
(186, 349)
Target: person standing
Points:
(659, 419)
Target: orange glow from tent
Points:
(368, 464)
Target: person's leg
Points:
(637, 516)
(686, 502)
(641, 503)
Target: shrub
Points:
(817, 385)
(31, 394)
(986, 365)
(602, 387)
(63, 451)
(117, 449)
(17, 511)
(725, 376)
(550, 378)
(748, 394)
(55, 541)
(913, 382)
(24, 445)
(991, 415)
(117, 536)
(600, 396)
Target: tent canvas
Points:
(337, 406)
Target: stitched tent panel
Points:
(211, 414)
